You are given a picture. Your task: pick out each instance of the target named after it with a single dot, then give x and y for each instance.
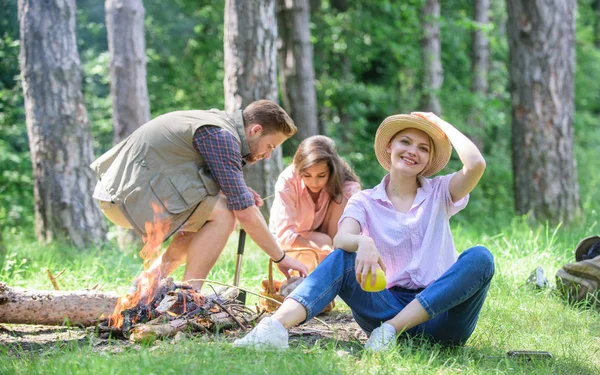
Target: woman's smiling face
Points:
(410, 151)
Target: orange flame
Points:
(156, 231)
(148, 280)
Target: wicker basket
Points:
(270, 288)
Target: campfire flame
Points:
(157, 230)
(148, 280)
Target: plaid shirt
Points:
(221, 151)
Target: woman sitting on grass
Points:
(310, 196)
(401, 225)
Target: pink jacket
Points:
(293, 212)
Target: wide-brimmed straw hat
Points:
(442, 149)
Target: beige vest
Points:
(156, 175)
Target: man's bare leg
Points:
(176, 252)
(206, 245)
(200, 249)
(164, 264)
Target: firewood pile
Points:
(174, 308)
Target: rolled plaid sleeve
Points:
(221, 151)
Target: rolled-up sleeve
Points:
(355, 210)
(282, 222)
(221, 152)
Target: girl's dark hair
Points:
(320, 148)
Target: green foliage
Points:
(16, 191)
(184, 44)
(368, 66)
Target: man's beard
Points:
(251, 158)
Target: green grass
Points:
(515, 317)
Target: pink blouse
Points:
(416, 247)
(294, 213)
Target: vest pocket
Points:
(177, 193)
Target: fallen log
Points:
(54, 307)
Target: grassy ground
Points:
(515, 317)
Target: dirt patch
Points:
(21, 339)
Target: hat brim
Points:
(442, 148)
(584, 246)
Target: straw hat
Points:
(442, 149)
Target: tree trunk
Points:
(542, 63)
(433, 75)
(251, 74)
(296, 70)
(479, 60)
(57, 124)
(130, 104)
(52, 307)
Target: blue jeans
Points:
(453, 301)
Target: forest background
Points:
(368, 64)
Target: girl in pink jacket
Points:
(310, 196)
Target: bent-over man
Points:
(184, 168)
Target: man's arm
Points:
(253, 222)
(220, 150)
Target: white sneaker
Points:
(382, 338)
(268, 333)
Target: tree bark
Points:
(296, 70)
(127, 47)
(52, 307)
(251, 74)
(130, 104)
(433, 74)
(542, 64)
(60, 137)
(479, 60)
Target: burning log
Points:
(53, 307)
(151, 332)
(174, 308)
